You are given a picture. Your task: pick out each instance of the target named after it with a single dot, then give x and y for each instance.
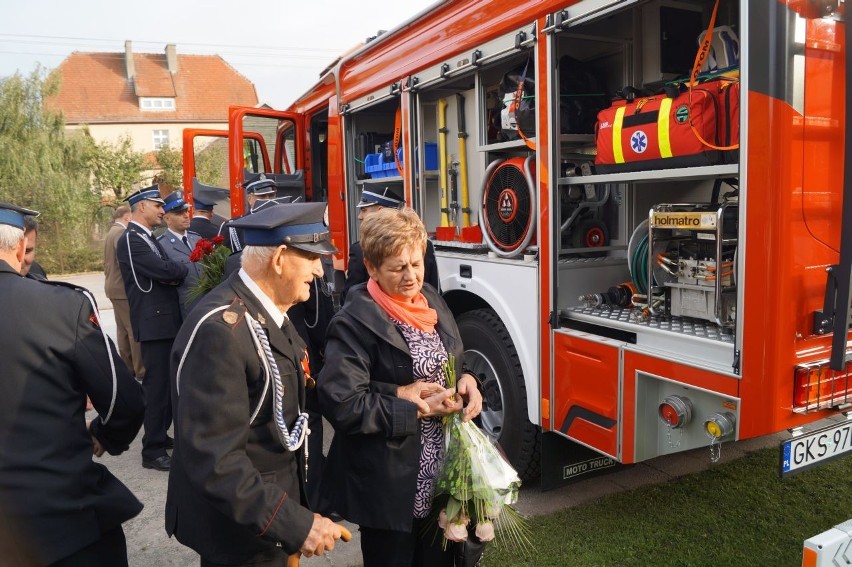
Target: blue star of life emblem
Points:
(639, 141)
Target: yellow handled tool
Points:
(465, 204)
(442, 154)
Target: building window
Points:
(161, 139)
(157, 104)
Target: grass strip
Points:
(739, 514)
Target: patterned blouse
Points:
(428, 356)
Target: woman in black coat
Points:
(383, 390)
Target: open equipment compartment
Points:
(608, 254)
(370, 164)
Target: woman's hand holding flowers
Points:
(432, 399)
(469, 391)
(443, 403)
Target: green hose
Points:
(639, 262)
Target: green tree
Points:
(42, 168)
(211, 164)
(170, 162)
(116, 168)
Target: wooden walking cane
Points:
(293, 560)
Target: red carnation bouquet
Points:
(212, 254)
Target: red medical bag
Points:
(654, 132)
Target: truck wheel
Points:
(490, 354)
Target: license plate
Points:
(815, 448)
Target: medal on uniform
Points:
(310, 383)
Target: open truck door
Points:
(831, 386)
(255, 134)
(205, 165)
(219, 163)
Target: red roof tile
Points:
(94, 88)
(152, 76)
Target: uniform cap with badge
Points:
(174, 203)
(13, 215)
(300, 225)
(151, 193)
(385, 198)
(262, 186)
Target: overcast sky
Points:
(279, 45)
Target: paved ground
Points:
(149, 545)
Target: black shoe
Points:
(163, 463)
(170, 443)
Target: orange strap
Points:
(397, 134)
(519, 94)
(700, 57)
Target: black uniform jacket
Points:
(37, 272)
(150, 280)
(357, 273)
(234, 490)
(371, 473)
(204, 227)
(233, 236)
(53, 355)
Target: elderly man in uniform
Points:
(371, 202)
(236, 489)
(259, 193)
(310, 319)
(128, 346)
(202, 219)
(57, 506)
(178, 243)
(151, 279)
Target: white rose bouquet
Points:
(476, 483)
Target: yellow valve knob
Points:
(713, 429)
(720, 425)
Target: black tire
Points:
(490, 353)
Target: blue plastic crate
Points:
(389, 167)
(374, 167)
(431, 156)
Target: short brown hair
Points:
(387, 232)
(120, 211)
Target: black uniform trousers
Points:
(109, 551)
(279, 560)
(158, 407)
(423, 546)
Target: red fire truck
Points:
(646, 251)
